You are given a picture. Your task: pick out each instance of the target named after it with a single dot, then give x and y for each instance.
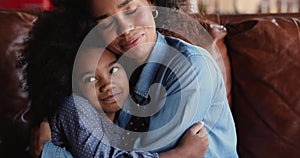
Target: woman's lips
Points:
(128, 44)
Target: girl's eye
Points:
(89, 79)
(114, 70)
(131, 11)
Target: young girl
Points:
(86, 123)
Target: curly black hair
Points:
(50, 52)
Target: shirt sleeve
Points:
(52, 151)
(79, 128)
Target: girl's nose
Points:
(107, 85)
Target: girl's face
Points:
(102, 80)
(126, 24)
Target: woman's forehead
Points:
(110, 7)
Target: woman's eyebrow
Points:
(124, 3)
(101, 17)
(107, 15)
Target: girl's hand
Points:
(38, 137)
(193, 144)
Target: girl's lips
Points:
(111, 98)
(132, 42)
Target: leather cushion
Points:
(265, 58)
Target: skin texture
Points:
(102, 80)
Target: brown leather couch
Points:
(261, 54)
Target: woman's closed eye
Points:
(131, 11)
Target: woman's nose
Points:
(125, 26)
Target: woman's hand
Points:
(193, 144)
(38, 137)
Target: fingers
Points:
(45, 130)
(196, 127)
(38, 137)
(202, 132)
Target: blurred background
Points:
(30, 5)
(240, 6)
(190, 6)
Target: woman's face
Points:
(126, 24)
(102, 80)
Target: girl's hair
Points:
(50, 52)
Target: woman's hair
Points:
(50, 52)
(83, 5)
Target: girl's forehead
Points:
(93, 59)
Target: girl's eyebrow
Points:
(112, 63)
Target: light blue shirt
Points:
(186, 87)
(53, 151)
